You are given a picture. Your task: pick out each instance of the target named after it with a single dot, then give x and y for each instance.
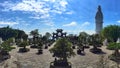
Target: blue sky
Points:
(73, 16)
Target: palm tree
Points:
(62, 50)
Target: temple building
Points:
(59, 34)
(99, 20)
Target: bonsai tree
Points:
(23, 45)
(95, 41)
(112, 33)
(116, 55)
(80, 48)
(44, 40)
(40, 45)
(5, 47)
(83, 38)
(62, 50)
(35, 35)
(114, 46)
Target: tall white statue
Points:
(99, 20)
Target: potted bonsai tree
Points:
(62, 50)
(95, 41)
(23, 45)
(40, 46)
(35, 35)
(116, 55)
(5, 47)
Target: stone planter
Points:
(22, 50)
(33, 46)
(46, 47)
(40, 52)
(60, 64)
(94, 50)
(73, 47)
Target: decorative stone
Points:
(1, 41)
(118, 40)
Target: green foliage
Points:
(23, 44)
(35, 35)
(7, 32)
(34, 32)
(62, 49)
(83, 37)
(21, 34)
(113, 46)
(48, 35)
(111, 32)
(96, 39)
(6, 45)
(40, 45)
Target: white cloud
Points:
(49, 24)
(40, 9)
(8, 23)
(35, 17)
(88, 31)
(77, 31)
(71, 24)
(63, 3)
(31, 6)
(85, 24)
(39, 6)
(70, 12)
(118, 21)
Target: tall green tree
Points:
(48, 35)
(111, 32)
(8, 32)
(21, 34)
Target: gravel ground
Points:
(32, 60)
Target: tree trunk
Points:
(94, 47)
(116, 52)
(24, 47)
